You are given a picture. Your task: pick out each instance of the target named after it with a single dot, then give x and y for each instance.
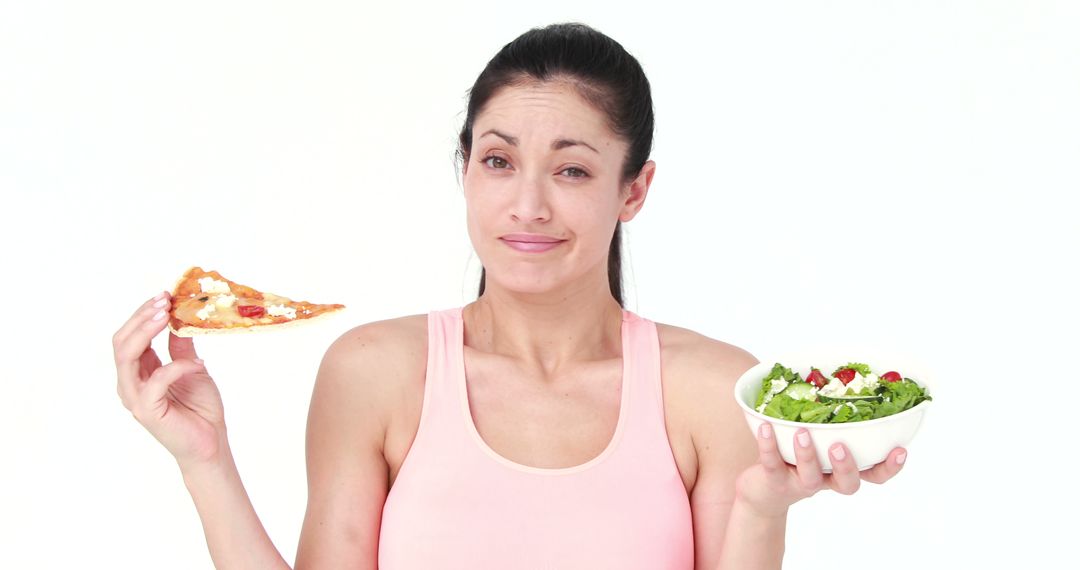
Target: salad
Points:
(852, 393)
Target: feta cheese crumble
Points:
(211, 285)
(205, 312)
(225, 301)
(281, 311)
(861, 382)
(834, 388)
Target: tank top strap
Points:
(646, 428)
(441, 406)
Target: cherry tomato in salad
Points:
(817, 378)
(845, 375)
(891, 377)
(253, 311)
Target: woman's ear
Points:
(639, 188)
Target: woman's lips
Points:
(531, 246)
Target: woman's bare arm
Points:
(234, 534)
(707, 370)
(359, 385)
(354, 391)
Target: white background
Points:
(848, 175)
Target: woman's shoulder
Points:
(699, 375)
(376, 360)
(691, 356)
(387, 338)
(392, 331)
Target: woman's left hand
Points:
(770, 486)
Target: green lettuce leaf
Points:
(840, 413)
(852, 412)
(904, 394)
(815, 413)
(778, 371)
(885, 409)
(857, 366)
(864, 411)
(764, 391)
(784, 407)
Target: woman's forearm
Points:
(234, 534)
(753, 541)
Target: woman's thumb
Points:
(157, 385)
(181, 348)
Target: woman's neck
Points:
(542, 332)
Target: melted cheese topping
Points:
(219, 307)
(281, 311)
(205, 312)
(211, 285)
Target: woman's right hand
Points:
(178, 403)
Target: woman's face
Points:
(545, 166)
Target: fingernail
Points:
(159, 315)
(160, 303)
(198, 361)
(901, 458)
(837, 453)
(804, 438)
(765, 431)
(160, 295)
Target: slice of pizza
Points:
(204, 302)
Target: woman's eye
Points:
(496, 162)
(573, 172)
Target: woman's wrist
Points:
(752, 511)
(757, 500)
(754, 539)
(197, 471)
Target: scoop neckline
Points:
(624, 406)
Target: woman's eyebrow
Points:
(509, 139)
(563, 143)
(557, 144)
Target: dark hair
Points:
(601, 71)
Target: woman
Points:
(529, 428)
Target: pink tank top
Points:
(458, 504)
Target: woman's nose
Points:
(531, 200)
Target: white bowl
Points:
(869, 441)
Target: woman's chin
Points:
(524, 286)
(530, 290)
